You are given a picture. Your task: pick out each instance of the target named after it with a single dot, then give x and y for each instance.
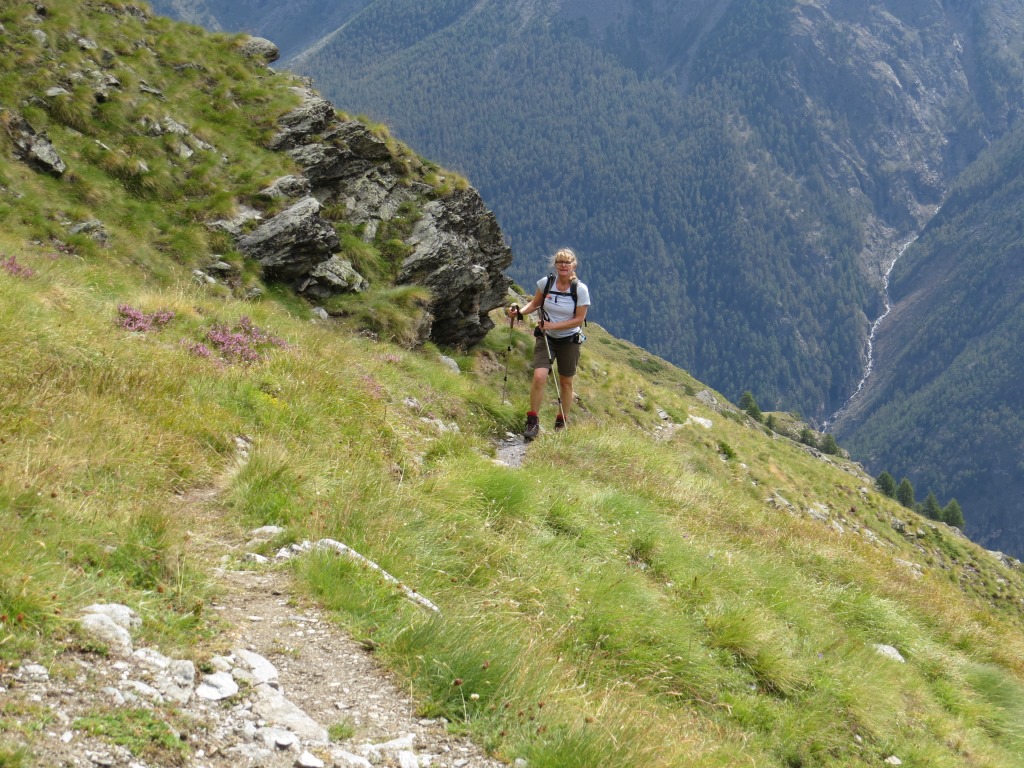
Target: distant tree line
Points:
(827, 443)
(951, 514)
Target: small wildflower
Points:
(11, 266)
(135, 320)
(197, 348)
(243, 343)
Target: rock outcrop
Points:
(34, 148)
(455, 248)
(459, 254)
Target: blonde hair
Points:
(565, 253)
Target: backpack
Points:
(572, 292)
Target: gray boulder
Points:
(106, 631)
(459, 252)
(334, 276)
(293, 243)
(287, 186)
(35, 148)
(311, 117)
(337, 157)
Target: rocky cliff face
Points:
(456, 248)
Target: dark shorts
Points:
(566, 352)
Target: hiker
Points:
(563, 301)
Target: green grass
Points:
(619, 600)
(142, 731)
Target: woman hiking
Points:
(563, 301)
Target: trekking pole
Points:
(508, 352)
(551, 362)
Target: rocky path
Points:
(288, 689)
(511, 450)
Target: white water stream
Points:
(871, 338)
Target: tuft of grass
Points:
(13, 758)
(343, 730)
(142, 731)
(397, 314)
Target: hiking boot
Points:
(532, 426)
(559, 423)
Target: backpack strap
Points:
(547, 290)
(572, 292)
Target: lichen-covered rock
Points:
(458, 251)
(35, 148)
(305, 121)
(287, 186)
(293, 243)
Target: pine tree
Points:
(905, 493)
(953, 515)
(886, 484)
(807, 437)
(749, 406)
(932, 510)
(829, 445)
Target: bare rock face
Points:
(298, 126)
(457, 248)
(460, 255)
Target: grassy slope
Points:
(619, 600)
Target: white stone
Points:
(153, 659)
(890, 653)
(344, 759)
(271, 705)
(309, 760)
(35, 672)
(143, 690)
(406, 741)
(122, 615)
(253, 668)
(105, 630)
(218, 686)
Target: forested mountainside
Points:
(944, 406)
(737, 177)
(226, 362)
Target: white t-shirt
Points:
(558, 306)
